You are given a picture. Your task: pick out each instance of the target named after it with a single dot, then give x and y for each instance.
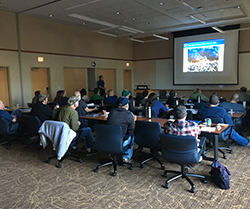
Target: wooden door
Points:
(109, 78)
(40, 80)
(127, 79)
(4, 92)
(74, 80)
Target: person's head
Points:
(73, 101)
(37, 93)
(145, 93)
(78, 94)
(172, 93)
(100, 77)
(1, 105)
(43, 99)
(126, 93)
(83, 92)
(243, 89)
(214, 100)
(122, 102)
(59, 95)
(234, 98)
(180, 112)
(197, 91)
(96, 91)
(110, 93)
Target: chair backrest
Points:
(109, 138)
(147, 134)
(32, 125)
(179, 149)
(4, 127)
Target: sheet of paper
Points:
(208, 129)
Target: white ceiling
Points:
(136, 18)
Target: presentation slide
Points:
(206, 59)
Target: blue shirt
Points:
(101, 83)
(235, 106)
(218, 112)
(8, 117)
(110, 100)
(157, 106)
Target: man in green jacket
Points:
(69, 115)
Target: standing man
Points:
(122, 117)
(41, 109)
(101, 85)
(69, 115)
(214, 111)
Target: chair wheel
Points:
(141, 165)
(131, 167)
(231, 152)
(47, 161)
(225, 157)
(204, 181)
(96, 170)
(166, 185)
(162, 167)
(59, 165)
(193, 189)
(113, 174)
(80, 160)
(164, 174)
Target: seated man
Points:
(235, 107)
(180, 126)
(111, 99)
(126, 93)
(68, 114)
(96, 95)
(12, 119)
(243, 95)
(122, 117)
(214, 111)
(41, 109)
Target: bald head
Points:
(1, 105)
(234, 98)
(78, 94)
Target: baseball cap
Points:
(122, 100)
(125, 92)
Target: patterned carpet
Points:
(28, 182)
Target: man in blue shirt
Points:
(214, 111)
(11, 119)
(235, 107)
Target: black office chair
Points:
(109, 138)
(147, 135)
(222, 139)
(5, 131)
(58, 133)
(32, 125)
(182, 150)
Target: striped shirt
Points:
(182, 128)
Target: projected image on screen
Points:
(203, 56)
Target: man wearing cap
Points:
(41, 109)
(69, 115)
(126, 93)
(122, 117)
(214, 111)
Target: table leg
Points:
(216, 139)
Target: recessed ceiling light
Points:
(118, 13)
(134, 18)
(147, 23)
(84, 23)
(50, 15)
(161, 3)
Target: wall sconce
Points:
(40, 59)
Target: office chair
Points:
(61, 137)
(109, 138)
(32, 125)
(147, 135)
(5, 131)
(182, 150)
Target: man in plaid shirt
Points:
(180, 126)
